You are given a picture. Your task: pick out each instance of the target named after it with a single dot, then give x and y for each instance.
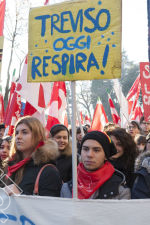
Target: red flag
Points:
(8, 109)
(133, 89)
(14, 113)
(137, 113)
(99, 118)
(31, 111)
(57, 105)
(81, 118)
(87, 120)
(66, 120)
(2, 14)
(12, 90)
(41, 100)
(114, 113)
(133, 94)
(46, 2)
(145, 83)
(1, 108)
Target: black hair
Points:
(128, 144)
(78, 130)
(5, 138)
(103, 139)
(57, 128)
(140, 139)
(2, 125)
(141, 119)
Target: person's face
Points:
(133, 130)
(92, 155)
(140, 147)
(62, 139)
(145, 126)
(23, 139)
(2, 130)
(118, 147)
(4, 148)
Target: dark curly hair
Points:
(128, 144)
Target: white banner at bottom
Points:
(34, 210)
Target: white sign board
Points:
(35, 210)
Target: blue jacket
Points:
(141, 186)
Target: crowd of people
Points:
(111, 164)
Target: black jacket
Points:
(50, 181)
(120, 165)
(114, 188)
(64, 165)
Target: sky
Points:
(134, 29)
(134, 33)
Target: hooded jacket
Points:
(50, 181)
(141, 186)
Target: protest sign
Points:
(145, 86)
(36, 210)
(76, 40)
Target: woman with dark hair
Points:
(29, 152)
(126, 153)
(60, 134)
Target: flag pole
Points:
(74, 143)
(68, 108)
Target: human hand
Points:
(11, 190)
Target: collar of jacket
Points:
(110, 188)
(143, 160)
(46, 153)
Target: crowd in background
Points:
(111, 164)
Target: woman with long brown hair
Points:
(30, 151)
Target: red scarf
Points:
(14, 168)
(89, 182)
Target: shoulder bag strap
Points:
(36, 185)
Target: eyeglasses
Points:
(131, 127)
